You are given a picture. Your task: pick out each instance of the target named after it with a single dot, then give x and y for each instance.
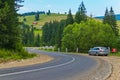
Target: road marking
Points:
(34, 70)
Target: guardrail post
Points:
(58, 49)
(77, 50)
(109, 49)
(66, 50)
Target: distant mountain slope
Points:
(101, 17)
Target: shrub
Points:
(6, 55)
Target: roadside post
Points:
(66, 50)
(58, 49)
(109, 49)
(77, 50)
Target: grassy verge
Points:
(7, 55)
(115, 54)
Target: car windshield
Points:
(95, 48)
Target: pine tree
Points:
(81, 13)
(31, 36)
(69, 19)
(77, 17)
(17, 6)
(25, 36)
(54, 32)
(59, 34)
(45, 33)
(48, 13)
(37, 17)
(10, 35)
(109, 18)
(37, 42)
(113, 22)
(106, 17)
(24, 19)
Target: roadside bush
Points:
(6, 55)
(88, 34)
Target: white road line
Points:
(34, 70)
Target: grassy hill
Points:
(47, 18)
(43, 19)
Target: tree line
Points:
(29, 38)
(52, 33)
(32, 13)
(81, 31)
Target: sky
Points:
(94, 7)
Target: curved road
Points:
(63, 67)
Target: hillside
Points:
(43, 19)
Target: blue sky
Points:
(94, 7)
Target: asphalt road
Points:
(63, 67)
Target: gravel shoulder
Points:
(114, 61)
(41, 58)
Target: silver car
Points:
(99, 51)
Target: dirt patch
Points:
(36, 60)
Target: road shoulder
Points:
(114, 62)
(41, 58)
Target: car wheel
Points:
(96, 54)
(106, 54)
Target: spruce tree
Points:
(48, 13)
(59, 34)
(106, 17)
(37, 16)
(69, 19)
(45, 33)
(113, 22)
(77, 17)
(31, 36)
(37, 42)
(81, 13)
(109, 18)
(10, 35)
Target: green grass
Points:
(7, 55)
(115, 54)
(43, 19)
(38, 31)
